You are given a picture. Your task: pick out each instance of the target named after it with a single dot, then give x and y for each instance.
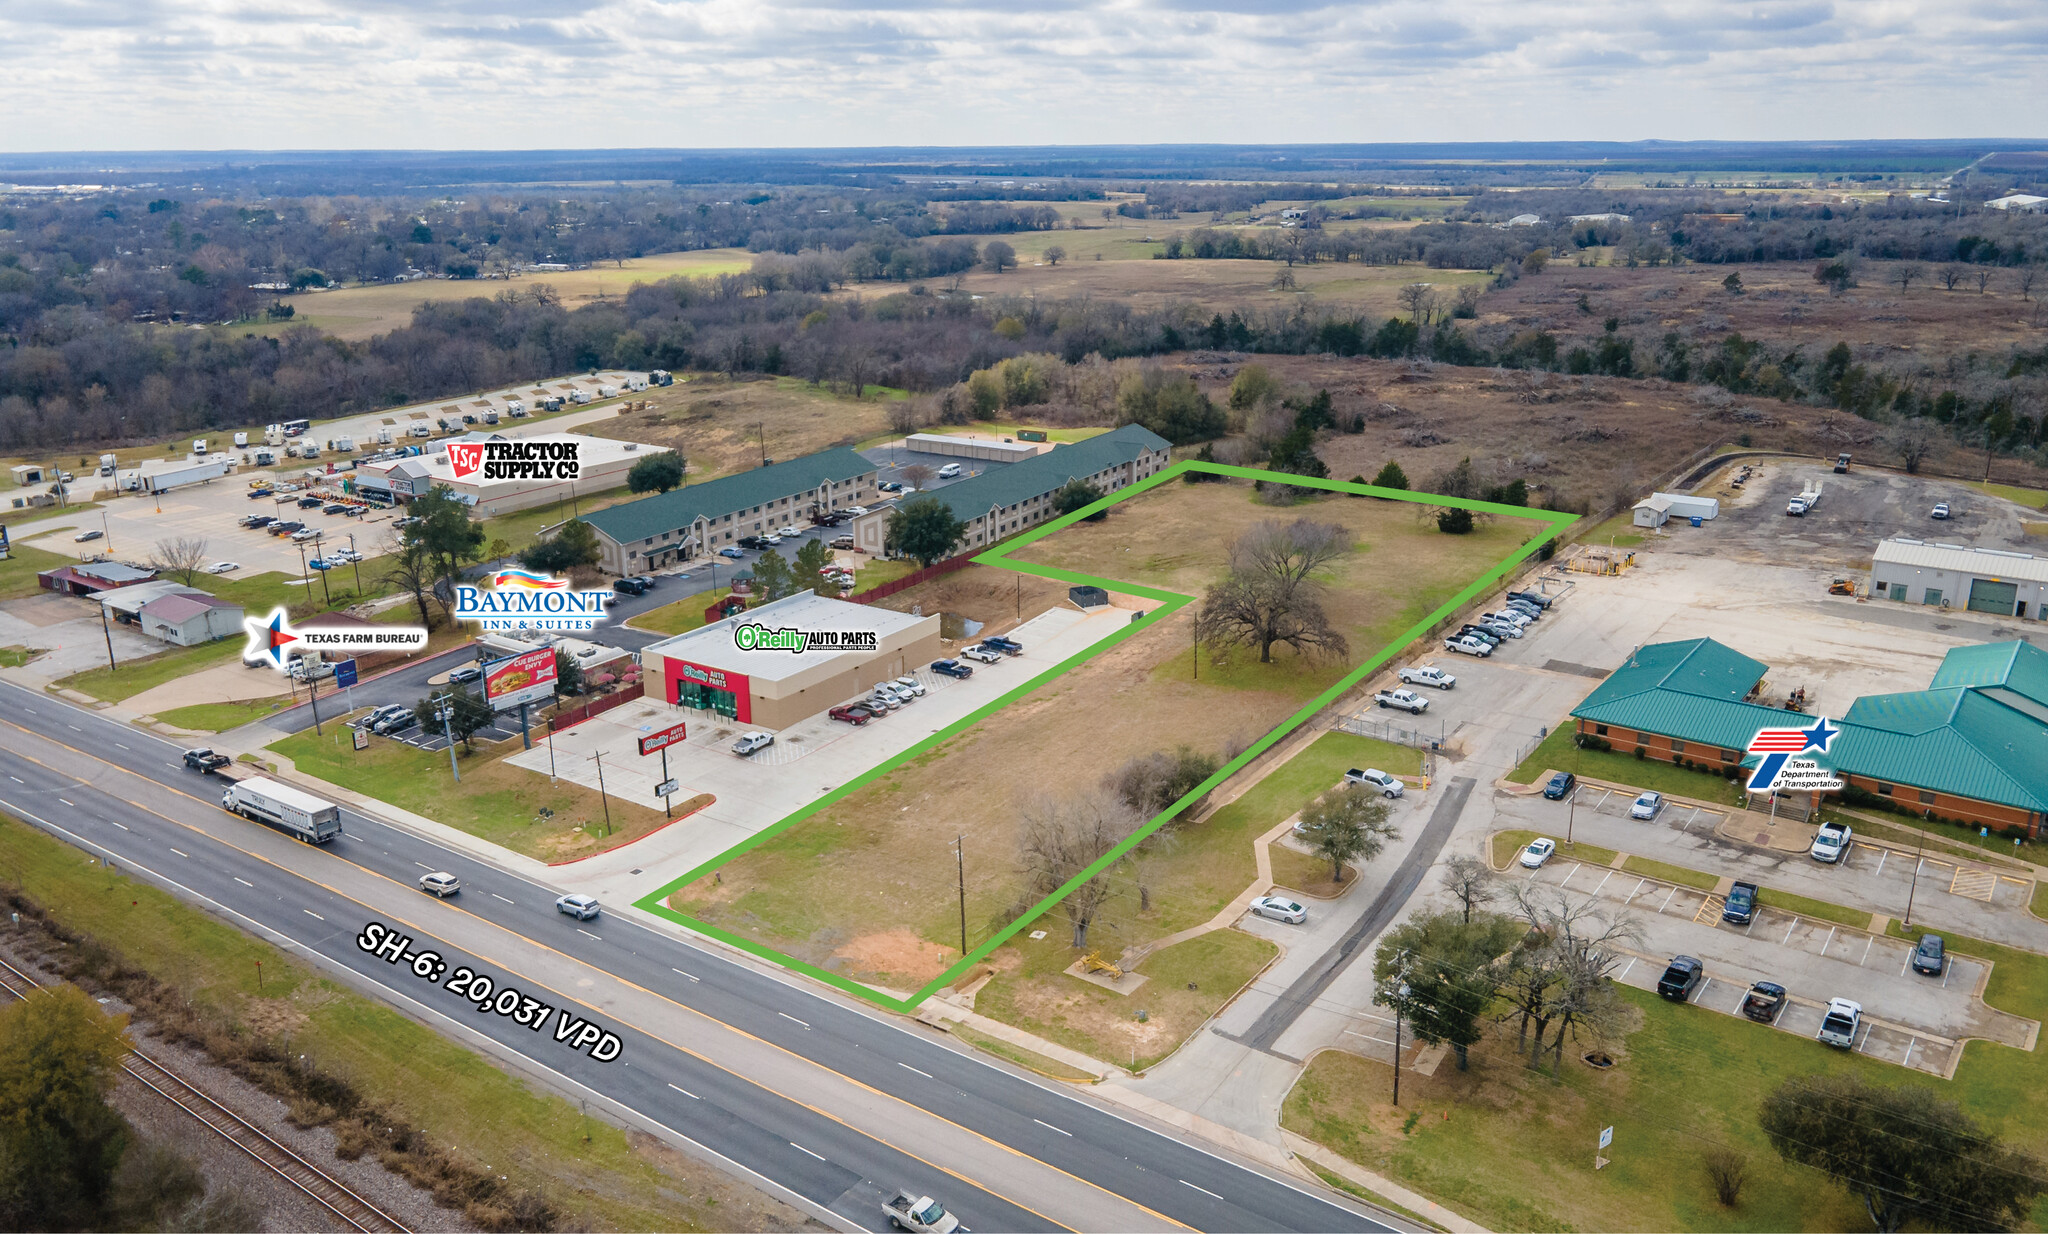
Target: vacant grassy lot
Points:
(1369, 291)
(359, 312)
(220, 717)
(495, 802)
(1557, 753)
(725, 426)
(134, 676)
(18, 572)
(685, 614)
(1807, 906)
(1699, 879)
(601, 1178)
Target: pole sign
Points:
(1607, 1138)
(362, 739)
(667, 788)
(345, 674)
(650, 742)
(528, 677)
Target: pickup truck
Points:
(1838, 1027)
(1763, 1001)
(1405, 700)
(205, 760)
(920, 1214)
(1427, 675)
(1741, 904)
(1830, 842)
(1469, 646)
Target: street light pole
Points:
(444, 711)
(355, 561)
(1918, 859)
(109, 632)
(960, 861)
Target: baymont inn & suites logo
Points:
(524, 600)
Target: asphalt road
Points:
(834, 1104)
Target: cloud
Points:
(113, 74)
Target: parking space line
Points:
(1624, 972)
(1906, 965)
(1567, 877)
(1640, 883)
(1788, 932)
(1703, 988)
(1831, 940)
(1886, 856)
(1946, 968)
(1867, 945)
(1753, 917)
(1667, 899)
(1910, 1043)
(1603, 882)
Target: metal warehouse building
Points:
(1972, 747)
(603, 464)
(1983, 580)
(1009, 499)
(702, 518)
(707, 670)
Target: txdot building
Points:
(798, 656)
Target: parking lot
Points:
(892, 459)
(1910, 1019)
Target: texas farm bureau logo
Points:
(1781, 766)
(273, 639)
(513, 460)
(523, 600)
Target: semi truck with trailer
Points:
(295, 812)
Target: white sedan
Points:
(1538, 852)
(1280, 909)
(1647, 805)
(788, 533)
(224, 567)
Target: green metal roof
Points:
(1980, 730)
(1045, 473)
(1692, 690)
(678, 508)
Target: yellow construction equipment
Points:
(1094, 963)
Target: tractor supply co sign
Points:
(528, 677)
(651, 742)
(513, 460)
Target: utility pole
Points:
(1397, 1042)
(444, 711)
(313, 695)
(109, 632)
(598, 758)
(1918, 858)
(761, 428)
(960, 861)
(355, 560)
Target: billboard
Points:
(661, 740)
(528, 677)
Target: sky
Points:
(498, 74)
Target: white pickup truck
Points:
(920, 1214)
(1404, 700)
(1427, 675)
(1838, 1027)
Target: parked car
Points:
(1008, 646)
(882, 703)
(844, 543)
(1509, 616)
(751, 542)
(949, 471)
(1502, 629)
(581, 907)
(629, 587)
(752, 742)
(1838, 1027)
(334, 508)
(1389, 787)
(224, 567)
(788, 533)
(83, 536)
(254, 493)
(1560, 786)
(203, 759)
(309, 501)
(1538, 852)
(1465, 644)
(304, 534)
(1427, 675)
(467, 673)
(1646, 806)
(1830, 842)
(1536, 598)
(396, 723)
(1685, 975)
(911, 684)
(730, 551)
(1481, 633)
(319, 563)
(1279, 909)
(1930, 955)
(982, 653)
(1404, 700)
(1763, 1002)
(771, 540)
(259, 520)
(1940, 510)
(440, 883)
(1740, 906)
(952, 668)
(901, 693)
(853, 714)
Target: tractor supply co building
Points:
(707, 669)
(1972, 747)
(1982, 580)
(1007, 500)
(601, 463)
(697, 519)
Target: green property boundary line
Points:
(1169, 603)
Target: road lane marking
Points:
(245, 882)
(74, 728)
(687, 1093)
(71, 804)
(1185, 1183)
(1048, 1126)
(17, 779)
(907, 1067)
(181, 854)
(587, 934)
(310, 913)
(424, 866)
(680, 972)
(792, 1019)
(118, 824)
(496, 896)
(805, 1151)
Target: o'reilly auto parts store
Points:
(716, 669)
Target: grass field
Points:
(1309, 874)
(2032, 498)
(723, 426)
(599, 1176)
(1506, 844)
(685, 614)
(1807, 906)
(129, 677)
(18, 572)
(1126, 273)
(495, 802)
(1018, 1054)
(14, 656)
(1697, 879)
(220, 717)
(1557, 753)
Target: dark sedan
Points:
(1560, 786)
(1930, 955)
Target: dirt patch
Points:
(897, 953)
(723, 426)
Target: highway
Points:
(833, 1105)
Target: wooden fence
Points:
(597, 706)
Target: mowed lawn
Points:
(1557, 752)
(495, 801)
(1513, 1150)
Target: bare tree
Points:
(182, 556)
(408, 566)
(1726, 1171)
(1060, 838)
(1983, 277)
(1951, 274)
(1563, 976)
(1054, 254)
(1420, 299)
(2027, 274)
(1912, 440)
(916, 475)
(1273, 592)
(1906, 273)
(1470, 882)
(1347, 824)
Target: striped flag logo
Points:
(1777, 746)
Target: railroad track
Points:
(330, 1194)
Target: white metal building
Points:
(1655, 509)
(1982, 580)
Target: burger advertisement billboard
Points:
(528, 677)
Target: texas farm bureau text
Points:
(761, 638)
(485, 994)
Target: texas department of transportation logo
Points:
(523, 600)
(513, 460)
(1781, 766)
(275, 640)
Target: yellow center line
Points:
(447, 907)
